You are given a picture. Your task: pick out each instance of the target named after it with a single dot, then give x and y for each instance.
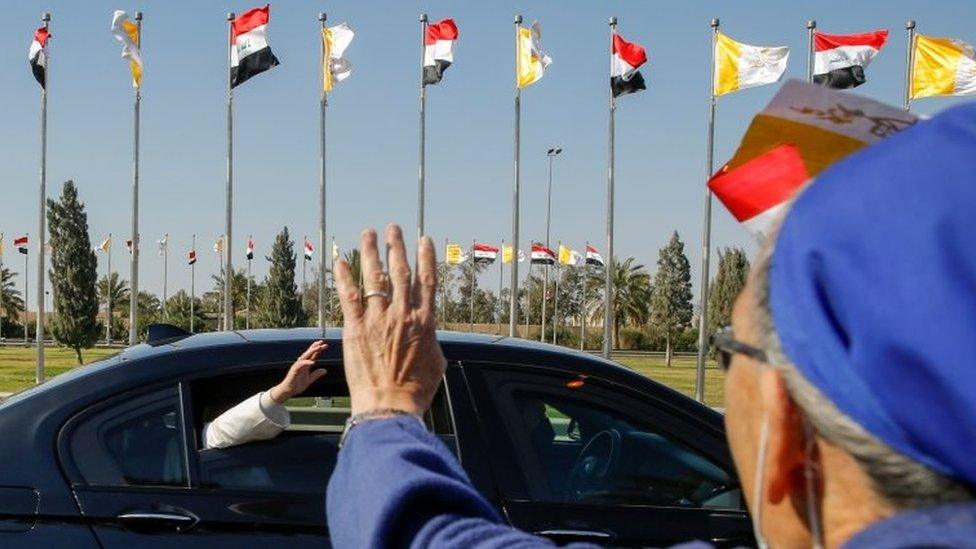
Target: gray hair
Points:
(900, 480)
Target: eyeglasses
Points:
(727, 345)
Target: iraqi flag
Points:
(250, 53)
(439, 50)
(191, 258)
(542, 255)
(21, 244)
(249, 250)
(483, 253)
(37, 55)
(308, 250)
(627, 58)
(839, 60)
(593, 257)
(757, 191)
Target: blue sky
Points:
(373, 120)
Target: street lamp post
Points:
(550, 154)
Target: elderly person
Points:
(851, 385)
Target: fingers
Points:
(352, 308)
(373, 277)
(317, 374)
(314, 350)
(399, 267)
(426, 282)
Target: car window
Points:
(578, 447)
(135, 442)
(302, 457)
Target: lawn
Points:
(17, 366)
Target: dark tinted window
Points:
(136, 442)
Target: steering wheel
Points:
(595, 463)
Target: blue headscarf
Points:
(873, 290)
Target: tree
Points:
(178, 311)
(119, 289)
(11, 303)
(282, 306)
(73, 272)
(671, 307)
(238, 294)
(733, 267)
(630, 288)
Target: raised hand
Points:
(389, 342)
(300, 375)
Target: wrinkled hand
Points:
(300, 375)
(389, 345)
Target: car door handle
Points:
(150, 522)
(562, 535)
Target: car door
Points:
(584, 459)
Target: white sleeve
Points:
(257, 418)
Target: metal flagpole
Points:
(228, 229)
(323, 103)
(1, 273)
(26, 288)
(444, 286)
(247, 313)
(332, 283)
(811, 31)
(304, 263)
(501, 278)
(134, 255)
(528, 299)
(42, 211)
(108, 291)
(471, 294)
(586, 273)
(165, 273)
(909, 63)
(551, 154)
(607, 286)
(513, 304)
(193, 294)
(706, 233)
(555, 301)
(422, 170)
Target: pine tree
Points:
(671, 307)
(73, 272)
(733, 267)
(282, 307)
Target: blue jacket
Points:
(396, 485)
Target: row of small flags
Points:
(486, 254)
(942, 66)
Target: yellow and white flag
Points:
(739, 66)
(219, 244)
(454, 255)
(127, 32)
(106, 244)
(942, 66)
(335, 251)
(507, 254)
(569, 256)
(337, 68)
(531, 61)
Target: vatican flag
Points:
(454, 255)
(127, 32)
(942, 66)
(531, 61)
(739, 66)
(337, 68)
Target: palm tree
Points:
(238, 291)
(11, 303)
(119, 290)
(178, 311)
(630, 287)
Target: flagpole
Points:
(332, 283)
(909, 63)
(501, 278)
(706, 232)
(27, 283)
(513, 304)
(42, 211)
(811, 31)
(551, 154)
(444, 286)
(608, 270)
(193, 272)
(471, 294)
(1, 273)
(134, 252)
(108, 291)
(528, 300)
(165, 274)
(586, 273)
(229, 226)
(304, 263)
(247, 314)
(323, 103)
(422, 171)
(555, 300)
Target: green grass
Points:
(17, 366)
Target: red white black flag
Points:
(541, 255)
(249, 251)
(250, 53)
(484, 253)
(438, 50)
(593, 257)
(37, 55)
(839, 59)
(21, 244)
(627, 58)
(191, 258)
(308, 250)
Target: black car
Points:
(564, 444)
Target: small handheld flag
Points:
(249, 250)
(337, 68)
(21, 244)
(839, 60)
(308, 250)
(250, 53)
(126, 31)
(739, 66)
(531, 61)
(627, 57)
(438, 50)
(37, 55)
